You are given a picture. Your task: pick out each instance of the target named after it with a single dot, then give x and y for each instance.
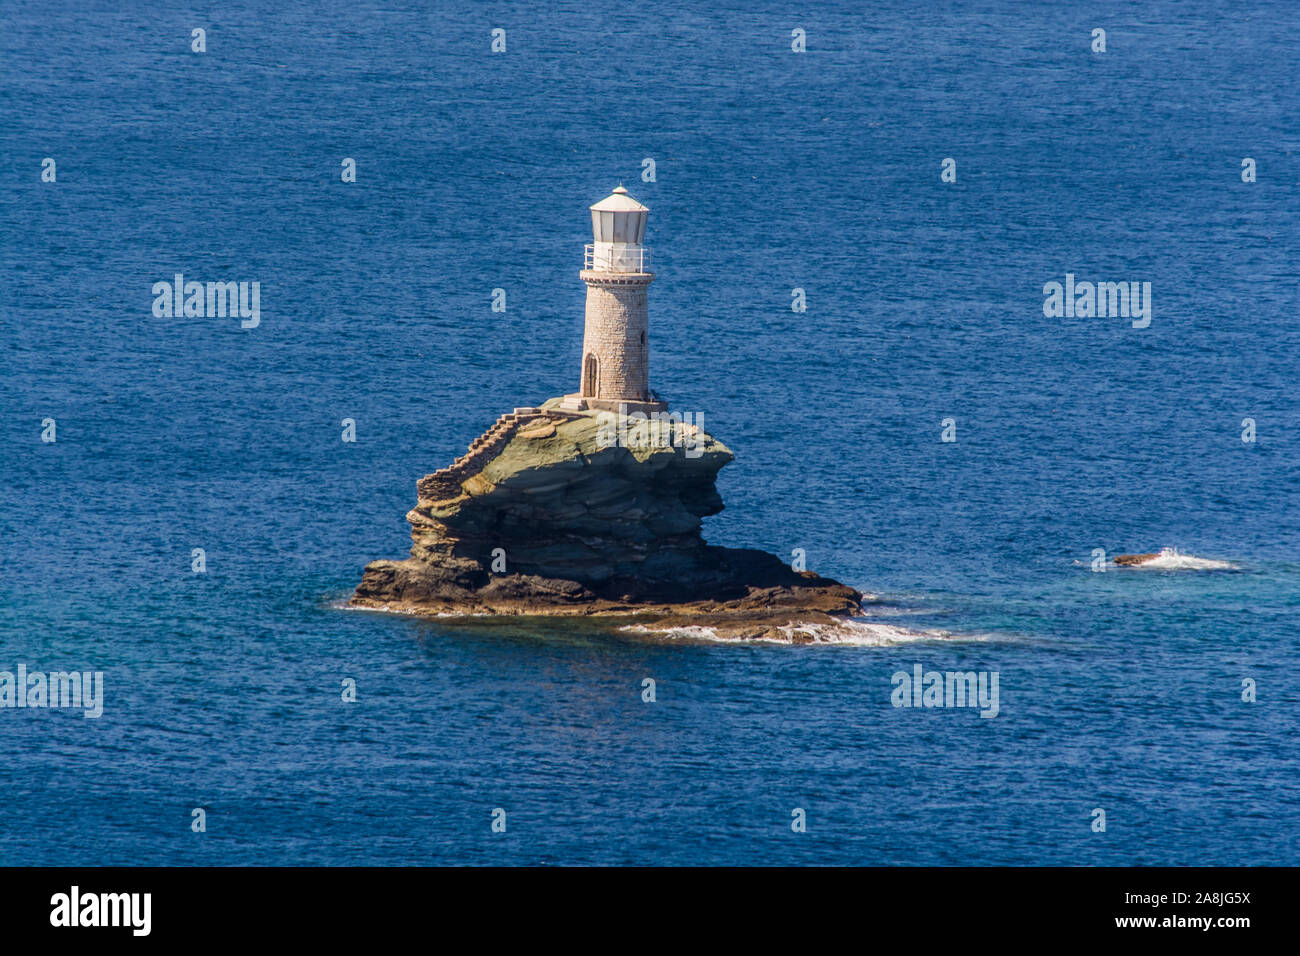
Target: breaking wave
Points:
(848, 633)
(1171, 559)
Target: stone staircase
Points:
(445, 482)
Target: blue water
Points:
(775, 170)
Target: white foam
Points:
(402, 610)
(693, 631)
(1171, 559)
(885, 610)
(846, 633)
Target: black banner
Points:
(957, 906)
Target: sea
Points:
(857, 211)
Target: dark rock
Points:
(586, 524)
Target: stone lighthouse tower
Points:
(615, 346)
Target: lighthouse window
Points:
(643, 337)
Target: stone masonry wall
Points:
(617, 333)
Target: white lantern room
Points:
(618, 226)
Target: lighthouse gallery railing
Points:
(617, 258)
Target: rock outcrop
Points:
(554, 511)
(1132, 559)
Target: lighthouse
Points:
(615, 343)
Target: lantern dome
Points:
(618, 218)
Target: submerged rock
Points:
(1131, 559)
(553, 511)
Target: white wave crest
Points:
(1171, 559)
(847, 632)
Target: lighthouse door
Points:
(589, 374)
